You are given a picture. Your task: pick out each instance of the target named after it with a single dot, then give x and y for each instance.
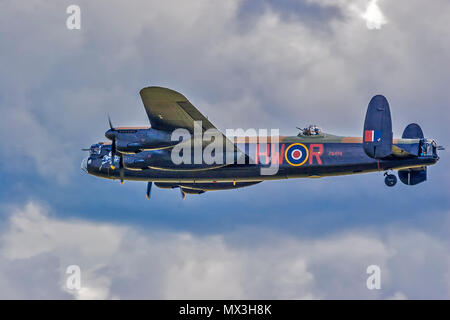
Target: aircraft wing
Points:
(168, 110)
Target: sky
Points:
(244, 64)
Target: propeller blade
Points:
(110, 123)
(121, 169)
(113, 146)
(113, 153)
(149, 189)
(86, 149)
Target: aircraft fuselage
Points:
(322, 156)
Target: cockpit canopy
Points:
(311, 130)
(95, 149)
(99, 149)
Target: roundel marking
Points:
(296, 154)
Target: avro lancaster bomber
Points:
(152, 154)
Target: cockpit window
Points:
(95, 149)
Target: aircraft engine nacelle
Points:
(146, 159)
(162, 160)
(133, 140)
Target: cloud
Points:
(272, 67)
(373, 16)
(120, 262)
(261, 70)
(368, 10)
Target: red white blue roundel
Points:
(296, 154)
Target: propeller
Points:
(114, 151)
(113, 146)
(110, 123)
(183, 194)
(121, 170)
(149, 189)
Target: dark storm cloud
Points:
(268, 65)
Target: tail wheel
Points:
(390, 180)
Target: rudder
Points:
(377, 135)
(412, 131)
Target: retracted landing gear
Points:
(390, 179)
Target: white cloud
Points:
(120, 262)
(373, 16)
(368, 10)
